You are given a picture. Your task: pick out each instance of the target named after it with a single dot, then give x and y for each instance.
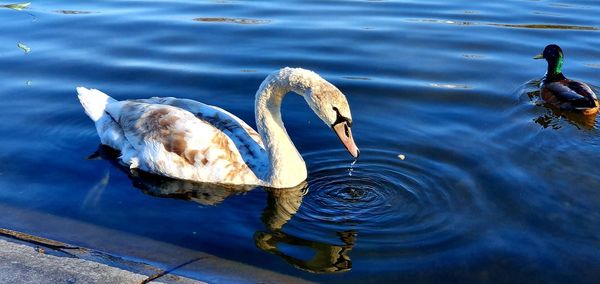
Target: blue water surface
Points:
(494, 187)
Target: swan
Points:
(188, 140)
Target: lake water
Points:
(494, 187)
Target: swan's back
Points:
(178, 138)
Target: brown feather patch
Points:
(190, 156)
(160, 125)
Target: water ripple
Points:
(401, 203)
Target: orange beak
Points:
(343, 131)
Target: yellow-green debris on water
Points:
(24, 47)
(17, 6)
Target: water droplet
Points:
(351, 169)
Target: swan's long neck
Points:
(287, 168)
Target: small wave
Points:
(357, 78)
(473, 56)
(72, 12)
(504, 25)
(547, 27)
(240, 21)
(450, 86)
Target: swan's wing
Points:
(245, 138)
(237, 122)
(220, 118)
(171, 141)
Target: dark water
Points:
(494, 187)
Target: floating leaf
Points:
(18, 6)
(24, 47)
(401, 157)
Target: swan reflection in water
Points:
(282, 204)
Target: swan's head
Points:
(327, 102)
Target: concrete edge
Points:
(27, 258)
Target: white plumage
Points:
(186, 139)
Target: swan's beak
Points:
(344, 132)
(539, 56)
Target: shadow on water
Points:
(282, 205)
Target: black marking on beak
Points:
(340, 118)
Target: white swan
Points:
(189, 140)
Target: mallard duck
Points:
(189, 140)
(563, 93)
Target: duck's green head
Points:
(554, 55)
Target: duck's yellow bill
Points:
(539, 56)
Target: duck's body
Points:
(563, 93)
(189, 140)
(569, 95)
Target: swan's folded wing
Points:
(236, 128)
(171, 141)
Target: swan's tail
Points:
(93, 101)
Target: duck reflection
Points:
(282, 205)
(553, 115)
